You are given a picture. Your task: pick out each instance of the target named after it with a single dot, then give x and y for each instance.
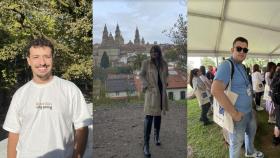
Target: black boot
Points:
(276, 140)
(204, 112)
(147, 131)
(157, 122)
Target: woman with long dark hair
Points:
(154, 73)
(201, 94)
(269, 105)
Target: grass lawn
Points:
(208, 141)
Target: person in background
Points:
(205, 80)
(208, 84)
(258, 87)
(269, 105)
(210, 74)
(201, 94)
(275, 83)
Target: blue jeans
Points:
(245, 128)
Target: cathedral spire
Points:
(118, 37)
(105, 36)
(137, 37)
(143, 41)
(118, 29)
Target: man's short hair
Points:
(240, 39)
(40, 42)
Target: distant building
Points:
(116, 48)
(177, 86)
(120, 86)
(137, 37)
(121, 53)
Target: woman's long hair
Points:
(256, 67)
(271, 66)
(156, 48)
(192, 75)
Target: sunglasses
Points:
(239, 49)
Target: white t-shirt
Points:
(267, 79)
(257, 80)
(45, 116)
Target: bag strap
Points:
(231, 72)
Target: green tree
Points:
(67, 24)
(171, 55)
(249, 62)
(104, 61)
(138, 61)
(206, 61)
(178, 35)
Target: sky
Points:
(150, 16)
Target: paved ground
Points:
(118, 133)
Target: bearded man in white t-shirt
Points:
(48, 116)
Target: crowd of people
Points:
(251, 87)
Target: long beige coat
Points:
(149, 77)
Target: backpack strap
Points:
(231, 71)
(245, 68)
(247, 74)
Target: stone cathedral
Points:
(116, 48)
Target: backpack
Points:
(275, 88)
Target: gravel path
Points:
(118, 132)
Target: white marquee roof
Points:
(214, 24)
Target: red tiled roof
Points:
(176, 81)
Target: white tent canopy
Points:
(214, 24)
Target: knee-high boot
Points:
(157, 122)
(147, 131)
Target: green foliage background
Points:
(206, 61)
(178, 35)
(67, 23)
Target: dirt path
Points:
(118, 133)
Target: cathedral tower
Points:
(137, 37)
(118, 37)
(143, 41)
(105, 36)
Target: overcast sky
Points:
(150, 16)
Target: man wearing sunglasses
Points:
(241, 112)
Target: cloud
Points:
(151, 17)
